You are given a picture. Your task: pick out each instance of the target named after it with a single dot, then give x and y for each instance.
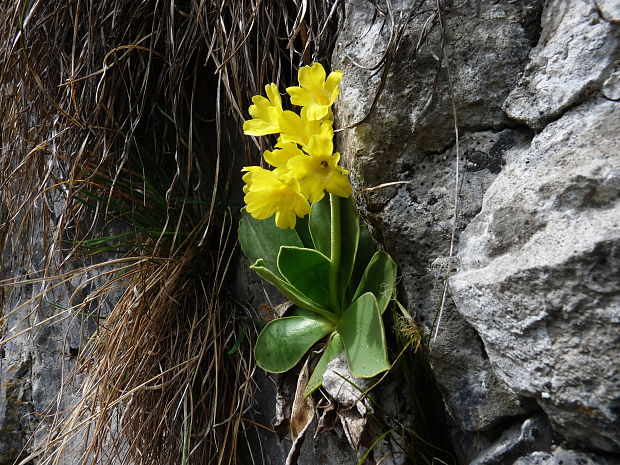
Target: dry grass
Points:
(124, 116)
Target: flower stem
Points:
(334, 292)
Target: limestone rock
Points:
(516, 441)
(506, 63)
(611, 87)
(609, 10)
(409, 138)
(561, 456)
(344, 388)
(486, 51)
(15, 405)
(539, 268)
(37, 379)
(575, 55)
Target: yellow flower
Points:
(276, 192)
(265, 113)
(283, 152)
(319, 171)
(247, 177)
(300, 129)
(303, 159)
(316, 94)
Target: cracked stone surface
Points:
(515, 68)
(517, 440)
(409, 138)
(35, 366)
(538, 274)
(575, 55)
(560, 456)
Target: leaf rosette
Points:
(297, 262)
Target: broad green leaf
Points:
(333, 349)
(363, 337)
(298, 311)
(349, 239)
(379, 278)
(365, 251)
(284, 341)
(303, 230)
(290, 292)
(307, 270)
(262, 239)
(320, 226)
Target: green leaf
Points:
(284, 341)
(365, 251)
(333, 349)
(298, 311)
(320, 226)
(303, 230)
(262, 239)
(239, 340)
(290, 292)
(363, 337)
(350, 233)
(307, 270)
(379, 278)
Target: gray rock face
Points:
(560, 456)
(409, 138)
(36, 365)
(15, 406)
(537, 274)
(532, 322)
(486, 50)
(343, 387)
(517, 440)
(574, 56)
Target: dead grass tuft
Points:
(118, 169)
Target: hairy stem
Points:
(334, 292)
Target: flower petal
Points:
(270, 192)
(311, 77)
(338, 184)
(299, 96)
(313, 188)
(332, 83)
(299, 166)
(274, 95)
(283, 152)
(326, 129)
(320, 146)
(260, 107)
(265, 113)
(316, 111)
(259, 127)
(291, 127)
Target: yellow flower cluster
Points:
(304, 163)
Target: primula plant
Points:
(315, 252)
